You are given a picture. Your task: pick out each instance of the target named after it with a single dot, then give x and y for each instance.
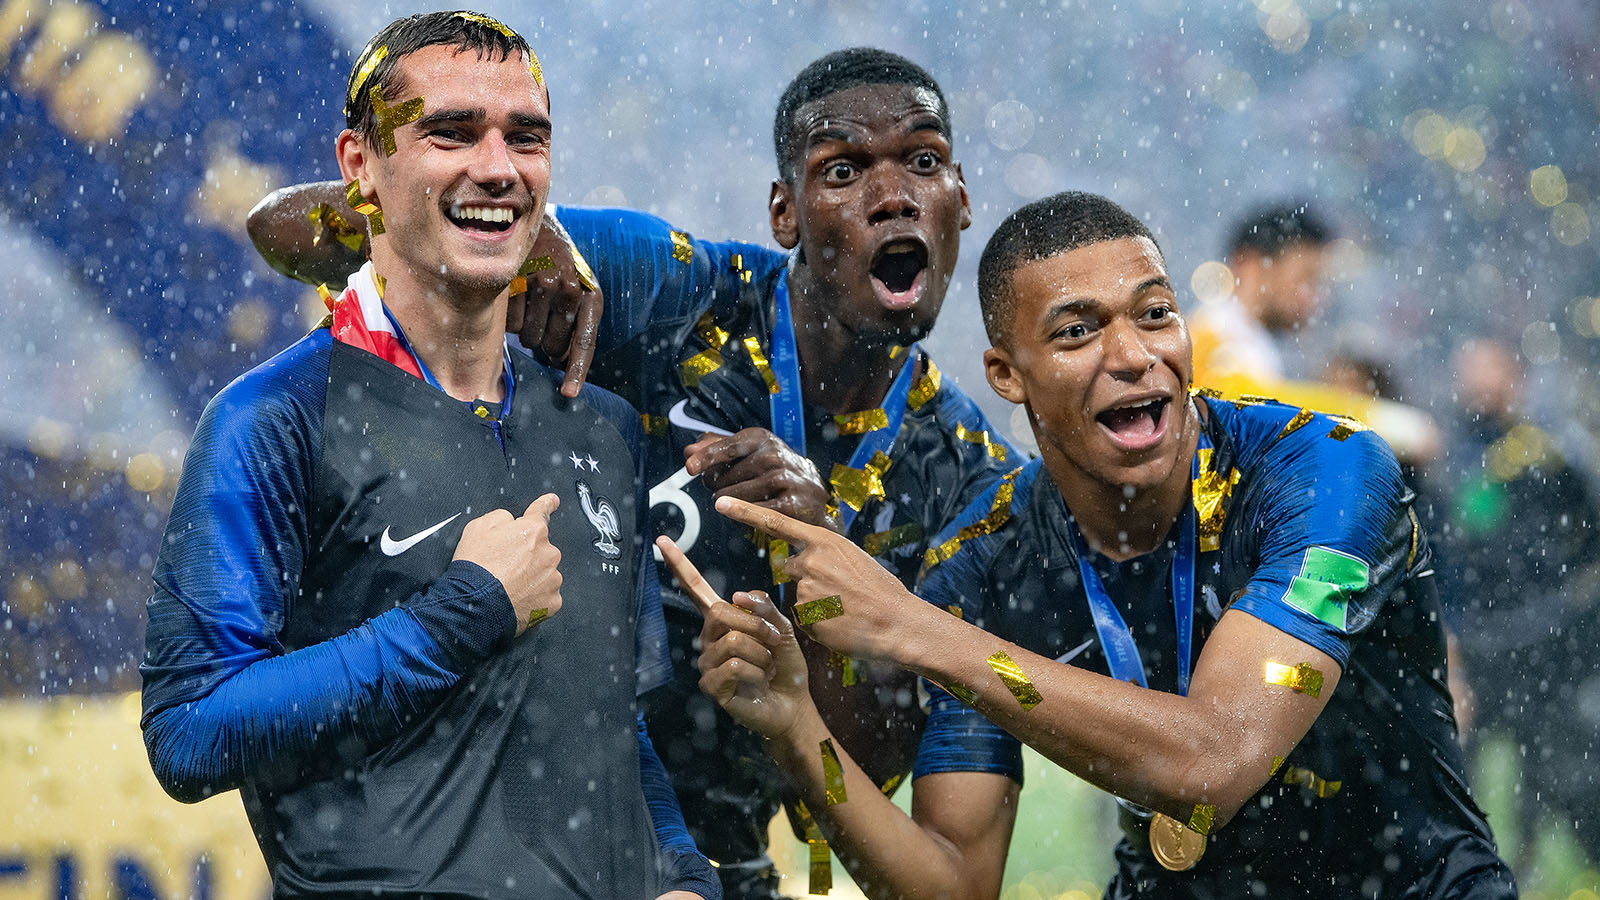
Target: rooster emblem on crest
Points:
(603, 516)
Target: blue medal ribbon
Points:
(788, 417)
(1116, 639)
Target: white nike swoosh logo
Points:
(678, 417)
(392, 547)
(1073, 653)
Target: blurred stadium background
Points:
(1454, 144)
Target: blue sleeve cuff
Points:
(466, 612)
(958, 738)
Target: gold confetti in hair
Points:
(393, 117)
(365, 66)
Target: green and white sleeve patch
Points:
(1327, 579)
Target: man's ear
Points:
(1003, 376)
(966, 202)
(355, 158)
(781, 213)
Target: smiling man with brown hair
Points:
(374, 616)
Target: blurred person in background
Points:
(1519, 566)
(1249, 342)
(373, 615)
(790, 379)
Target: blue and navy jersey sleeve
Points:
(1326, 503)
(653, 665)
(684, 868)
(955, 577)
(224, 704)
(652, 272)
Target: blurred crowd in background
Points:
(1444, 160)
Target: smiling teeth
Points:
(483, 213)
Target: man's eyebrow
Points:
(1070, 307)
(529, 120)
(828, 133)
(1154, 282)
(441, 116)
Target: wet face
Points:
(1101, 359)
(463, 194)
(878, 207)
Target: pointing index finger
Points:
(769, 521)
(688, 576)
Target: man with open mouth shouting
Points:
(793, 380)
(1222, 612)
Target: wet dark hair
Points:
(1042, 229)
(838, 71)
(464, 29)
(1270, 229)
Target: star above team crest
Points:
(594, 464)
(577, 461)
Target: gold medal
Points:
(1175, 846)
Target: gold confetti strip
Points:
(331, 223)
(819, 610)
(487, 22)
(1346, 427)
(893, 784)
(699, 366)
(325, 322)
(326, 295)
(1311, 781)
(1277, 763)
(364, 70)
(359, 203)
(534, 69)
(1300, 677)
(856, 486)
(955, 610)
(1016, 682)
(1207, 393)
(999, 514)
(846, 667)
(519, 284)
(1416, 536)
(535, 616)
(1211, 492)
(393, 117)
(880, 542)
(895, 350)
(1256, 399)
(585, 274)
(682, 248)
(862, 422)
(821, 874)
(777, 556)
(1299, 421)
(1201, 820)
(832, 774)
(481, 411)
(925, 388)
(710, 331)
(382, 283)
(736, 262)
(981, 437)
(752, 345)
(655, 426)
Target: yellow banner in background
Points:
(83, 817)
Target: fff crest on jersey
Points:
(602, 515)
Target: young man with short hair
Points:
(374, 615)
(1220, 611)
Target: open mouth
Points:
(898, 264)
(486, 219)
(1136, 423)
